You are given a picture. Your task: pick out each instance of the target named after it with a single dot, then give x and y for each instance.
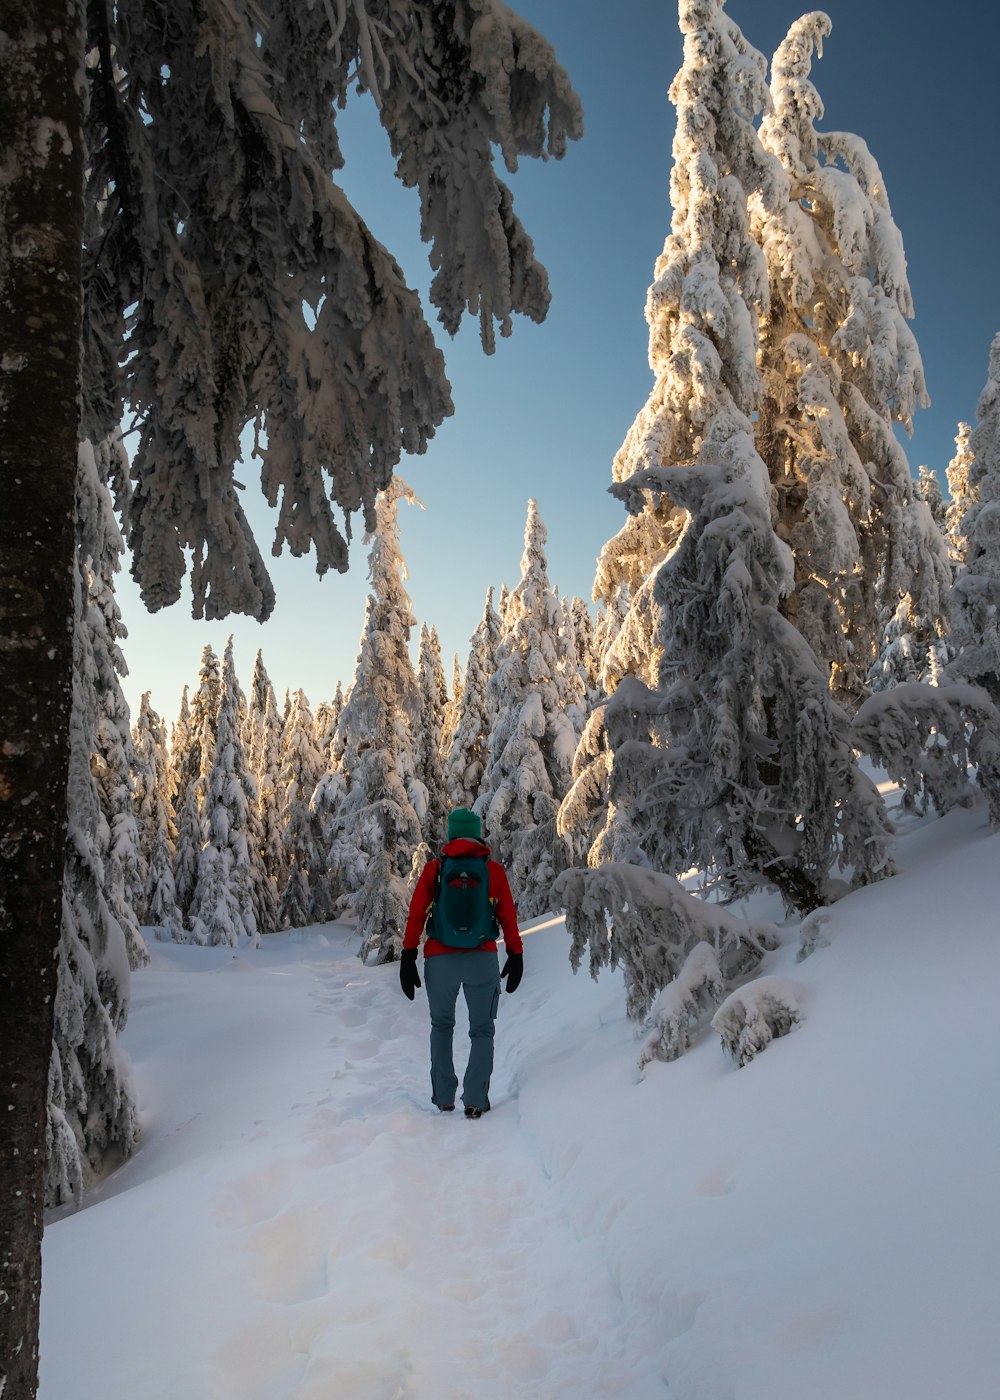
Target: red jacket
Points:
(423, 897)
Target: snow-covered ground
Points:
(301, 1224)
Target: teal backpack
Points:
(462, 913)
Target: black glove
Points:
(409, 979)
(512, 970)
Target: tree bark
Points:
(41, 229)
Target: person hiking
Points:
(462, 896)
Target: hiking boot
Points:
(446, 1107)
(472, 1112)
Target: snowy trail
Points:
(356, 1243)
(457, 1237)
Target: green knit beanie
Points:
(462, 822)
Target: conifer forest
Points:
(791, 618)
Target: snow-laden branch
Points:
(648, 923)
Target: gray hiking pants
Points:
(476, 972)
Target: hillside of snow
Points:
(300, 1224)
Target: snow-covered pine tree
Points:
(324, 807)
(957, 473)
(451, 711)
(180, 739)
(101, 470)
(976, 595)
(149, 745)
(502, 602)
(325, 722)
(840, 366)
(301, 769)
(532, 743)
(476, 714)
(583, 812)
(738, 762)
(223, 907)
(263, 745)
(294, 315)
(427, 739)
(914, 645)
(92, 1117)
(377, 828)
(155, 814)
(929, 491)
(573, 667)
(191, 776)
(587, 661)
(926, 738)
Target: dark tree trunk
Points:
(41, 226)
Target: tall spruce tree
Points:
(957, 473)
(192, 769)
(976, 595)
(92, 1115)
(377, 828)
(223, 906)
(737, 761)
(154, 811)
(263, 745)
(325, 807)
(840, 367)
(532, 741)
(301, 770)
(102, 471)
(451, 710)
(428, 736)
(477, 713)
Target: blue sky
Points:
(545, 415)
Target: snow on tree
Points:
(301, 769)
(378, 827)
(976, 595)
(839, 367)
(750, 1018)
(325, 804)
(477, 712)
(680, 1009)
(737, 761)
(451, 714)
(101, 547)
(929, 491)
(532, 742)
(191, 773)
(740, 763)
(647, 923)
(957, 473)
(926, 738)
(150, 778)
(92, 1115)
(585, 812)
(326, 720)
(230, 864)
(585, 643)
(291, 315)
(573, 681)
(709, 289)
(914, 645)
(154, 812)
(428, 732)
(263, 745)
(502, 604)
